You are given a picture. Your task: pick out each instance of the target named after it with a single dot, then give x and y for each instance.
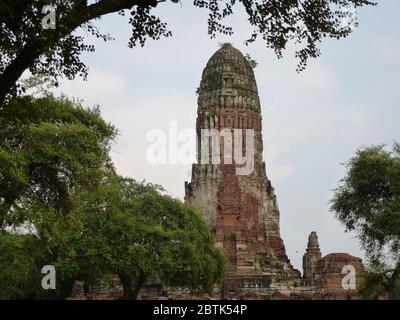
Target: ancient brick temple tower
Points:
(242, 209)
(241, 206)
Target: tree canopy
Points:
(25, 45)
(18, 267)
(48, 148)
(368, 201)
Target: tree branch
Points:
(77, 17)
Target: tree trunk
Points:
(16, 68)
(131, 284)
(393, 281)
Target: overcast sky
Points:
(312, 122)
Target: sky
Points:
(312, 122)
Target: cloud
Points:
(281, 75)
(102, 86)
(275, 169)
(387, 50)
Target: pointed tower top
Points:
(226, 45)
(313, 239)
(228, 73)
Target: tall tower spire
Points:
(240, 207)
(310, 258)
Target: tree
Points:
(376, 281)
(368, 201)
(17, 267)
(21, 261)
(49, 147)
(135, 232)
(25, 45)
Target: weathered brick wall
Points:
(329, 276)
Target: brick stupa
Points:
(242, 210)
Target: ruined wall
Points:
(329, 276)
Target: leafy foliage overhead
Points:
(25, 45)
(277, 22)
